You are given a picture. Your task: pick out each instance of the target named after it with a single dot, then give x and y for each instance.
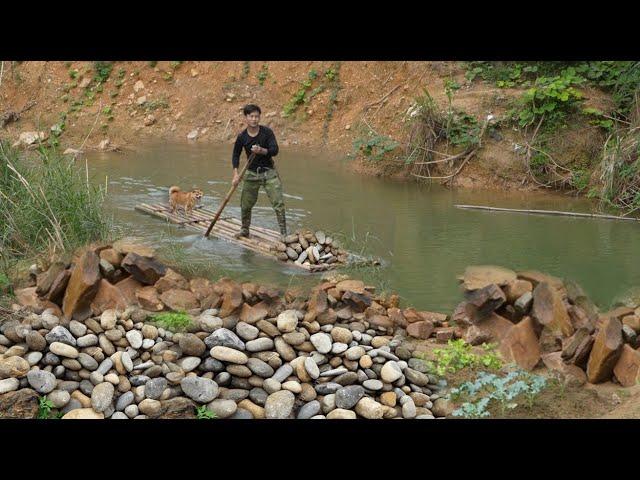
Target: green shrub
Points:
(174, 321)
(203, 413)
(457, 355)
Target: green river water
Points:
(423, 241)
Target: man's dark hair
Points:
(250, 109)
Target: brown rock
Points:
(126, 246)
(486, 300)
(463, 314)
(571, 375)
(212, 301)
(45, 280)
(268, 293)
(82, 288)
(22, 403)
(148, 299)
(491, 329)
(633, 321)
(550, 340)
(515, 289)
(201, 287)
(443, 335)
(477, 277)
(549, 310)
(535, 278)
(358, 302)
(606, 351)
(13, 367)
(179, 300)
(576, 348)
(108, 297)
(627, 369)
(112, 256)
(251, 315)
(58, 287)
(396, 316)
(381, 321)
(231, 293)
(171, 280)
(619, 312)
(579, 319)
(437, 319)
(128, 287)
(520, 345)
(144, 269)
(317, 304)
(256, 410)
(29, 298)
(355, 286)
(422, 329)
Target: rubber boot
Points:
(282, 222)
(246, 223)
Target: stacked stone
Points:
(308, 248)
(536, 317)
(256, 353)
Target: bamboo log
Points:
(228, 197)
(548, 212)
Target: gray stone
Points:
(73, 404)
(339, 348)
(51, 359)
(258, 396)
(408, 408)
(415, 377)
(212, 365)
(246, 331)
(223, 408)
(131, 411)
(59, 398)
(322, 342)
(105, 366)
(102, 396)
(309, 410)
(189, 363)
(138, 380)
(33, 358)
(260, 368)
(260, 345)
(373, 385)
(334, 372)
(9, 385)
(354, 353)
(127, 363)
(119, 416)
(241, 414)
(124, 401)
(279, 404)
(391, 372)
(200, 389)
(62, 335)
(282, 373)
(311, 367)
(348, 397)
(224, 337)
(87, 361)
(87, 341)
(327, 388)
(153, 388)
(77, 329)
(86, 387)
(41, 381)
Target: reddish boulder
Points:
(479, 276)
(396, 316)
(82, 287)
(606, 351)
(491, 329)
(443, 335)
(128, 287)
(632, 321)
(108, 297)
(486, 300)
(316, 305)
(268, 294)
(144, 269)
(576, 349)
(570, 375)
(535, 278)
(328, 317)
(58, 287)
(515, 289)
(422, 329)
(179, 300)
(171, 280)
(252, 315)
(355, 286)
(232, 298)
(549, 310)
(379, 321)
(148, 299)
(358, 302)
(112, 256)
(579, 319)
(627, 369)
(520, 345)
(411, 315)
(45, 280)
(201, 287)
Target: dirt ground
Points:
(605, 400)
(177, 98)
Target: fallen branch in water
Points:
(550, 212)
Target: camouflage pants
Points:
(270, 180)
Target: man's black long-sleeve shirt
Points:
(265, 138)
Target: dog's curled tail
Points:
(174, 189)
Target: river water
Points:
(422, 239)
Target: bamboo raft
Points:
(262, 240)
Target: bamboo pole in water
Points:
(548, 212)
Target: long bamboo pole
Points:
(549, 212)
(228, 197)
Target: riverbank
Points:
(363, 109)
(118, 334)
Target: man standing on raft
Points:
(261, 140)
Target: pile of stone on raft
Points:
(538, 319)
(250, 351)
(305, 247)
